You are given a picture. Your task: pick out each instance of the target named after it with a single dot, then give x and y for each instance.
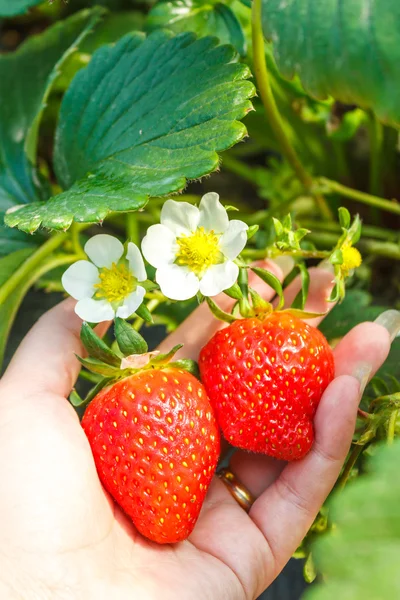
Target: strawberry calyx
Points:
(130, 356)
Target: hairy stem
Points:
(29, 266)
(391, 427)
(271, 109)
(351, 461)
(338, 188)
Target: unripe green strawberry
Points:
(265, 379)
(156, 444)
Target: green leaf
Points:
(97, 366)
(96, 348)
(219, 313)
(347, 49)
(12, 240)
(186, 364)
(360, 556)
(8, 265)
(164, 359)
(10, 8)
(234, 292)
(301, 298)
(203, 18)
(271, 280)
(145, 115)
(144, 313)
(28, 75)
(79, 402)
(128, 339)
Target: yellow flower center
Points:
(351, 258)
(115, 283)
(199, 251)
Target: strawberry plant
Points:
(167, 154)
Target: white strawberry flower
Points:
(193, 249)
(106, 285)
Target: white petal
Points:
(136, 263)
(104, 250)
(180, 217)
(177, 283)
(131, 303)
(79, 279)
(218, 278)
(159, 245)
(234, 239)
(94, 311)
(213, 215)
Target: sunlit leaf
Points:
(145, 115)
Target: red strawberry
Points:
(265, 379)
(156, 444)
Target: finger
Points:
(45, 360)
(286, 510)
(363, 349)
(258, 472)
(201, 325)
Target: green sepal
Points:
(96, 348)
(251, 231)
(97, 366)
(271, 280)
(128, 339)
(219, 313)
(230, 208)
(144, 313)
(336, 258)
(259, 304)
(186, 364)
(309, 570)
(165, 358)
(344, 217)
(301, 298)
(148, 285)
(234, 292)
(79, 402)
(302, 314)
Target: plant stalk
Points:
(272, 112)
(351, 461)
(347, 192)
(29, 266)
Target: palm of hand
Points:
(62, 536)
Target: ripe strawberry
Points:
(265, 379)
(156, 444)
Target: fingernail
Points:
(362, 372)
(390, 320)
(326, 265)
(285, 263)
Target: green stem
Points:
(337, 188)
(380, 233)
(29, 266)
(366, 246)
(391, 427)
(152, 305)
(376, 141)
(271, 109)
(132, 228)
(351, 461)
(76, 244)
(255, 254)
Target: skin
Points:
(61, 536)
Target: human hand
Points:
(61, 536)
